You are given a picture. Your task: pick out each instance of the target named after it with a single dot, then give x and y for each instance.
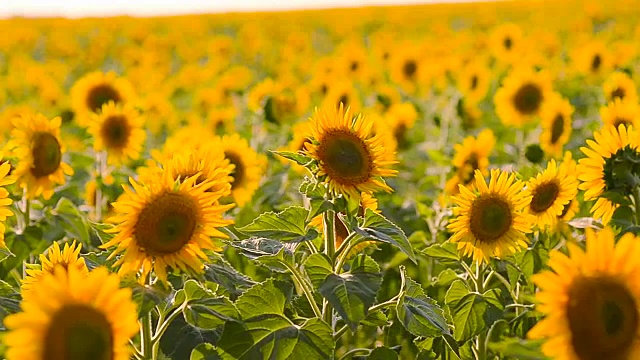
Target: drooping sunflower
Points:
(621, 112)
(551, 191)
(5, 200)
(591, 300)
(166, 223)
(68, 257)
(95, 89)
(491, 221)
(39, 151)
(73, 315)
(248, 167)
(471, 155)
(620, 86)
(556, 124)
(522, 96)
(119, 130)
(350, 160)
(610, 150)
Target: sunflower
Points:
(259, 93)
(407, 68)
(401, 117)
(551, 191)
(166, 223)
(39, 150)
(522, 96)
(473, 81)
(5, 200)
(343, 92)
(491, 220)
(591, 300)
(505, 42)
(386, 96)
(68, 257)
(95, 89)
(301, 135)
(471, 155)
(618, 111)
(592, 59)
(221, 120)
(570, 210)
(620, 86)
(159, 113)
(118, 129)
(73, 315)
(248, 167)
(350, 160)
(556, 124)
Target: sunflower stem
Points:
(343, 252)
(330, 250)
(27, 211)
(162, 327)
(481, 341)
(636, 202)
(306, 288)
(100, 170)
(146, 342)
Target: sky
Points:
(79, 8)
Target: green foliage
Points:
(376, 227)
(288, 225)
(472, 312)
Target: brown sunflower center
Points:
(101, 95)
(115, 132)
(557, 128)
(527, 99)
(544, 195)
(508, 43)
(490, 218)
(167, 223)
(346, 157)
(618, 93)
(621, 121)
(409, 68)
(46, 153)
(474, 82)
(78, 332)
(603, 318)
(354, 66)
(239, 170)
(596, 62)
(324, 88)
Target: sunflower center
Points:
(603, 318)
(621, 170)
(323, 89)
(46, 153)
(238, 172)
(557, 128)
(78, 332)
(115, 132)
(409, 68)
(354, 66)
(344, 99)
(474, 82)
(621, 121)
(508, 43)
(400, 133)
(544, 195)
(596, 62)
(101, 95)
(346, 157)
(490, 218)
(167, 223)
(618, 93)
(527, 99)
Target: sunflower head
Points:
(247, 167)
(350, 160)
(118, 130)
(491, 220)
(68, 257)
(522, 96)
(5, 200)
(551, 193)
(621, 112)
(96, 89)
(620, 86)
(556, 121)
(591, 300)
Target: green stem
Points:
(146, 339)
(27, 211)
(354, 351)
(343, 252)
(383, 305)
(306, 288)
(163, 325)
(340, 332)
(329, 249)
(636, 201)
(481, 345)
(507, 285)
(136, 353)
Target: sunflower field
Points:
(455, 181)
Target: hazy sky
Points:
(75, 8)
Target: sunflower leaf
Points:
(272, 253)
(74, 222)
(472, 312)
(445, 252)
(288, 225)
(222, 273)
(208, 313)
(204, 352)
(298, 158)
(377, 227)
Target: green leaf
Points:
(146, 297)
(73, 221)
(271, 253)
(382, 353)
(445, 252)
(472, 312)
(376, 318)
(318, 268)
(210, 312)
(352, 293)
(288, 225)
(316, 193)
(298, 158)
(377, 227)
(418, 313)
(221, 272)
(518, 349)
(194, 291)
(204, 352)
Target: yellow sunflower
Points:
(491, 221)
(68, 257)
(570, 210)
(342, 92)
(73, 315)
(551, 191)
(407, 68)
(5, 200)
(301, 134)
(620, 86)
(350, 160)
(166, 223)
(505, 43)
(401, 117)
(591, 300)
(471, 155)
(621, 112)
(39, 151)
(592, 59)
(556, 124)
(248, 167)
(119, 130)
(259, 93)
(522, 96)
(473, 81)
(596, 171)
(95, 89)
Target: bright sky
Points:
(78, 8)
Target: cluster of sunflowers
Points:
(436, 181)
